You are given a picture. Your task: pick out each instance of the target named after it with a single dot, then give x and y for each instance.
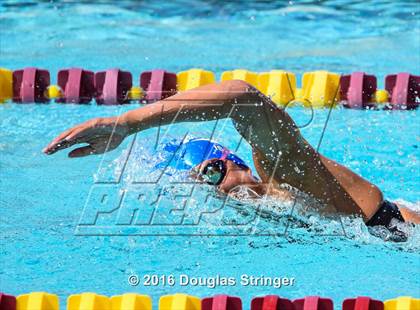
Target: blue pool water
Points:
(44, 199)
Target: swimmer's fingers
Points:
(60, 145)
(66, 139)
(54, 145)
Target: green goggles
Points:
(214, 172)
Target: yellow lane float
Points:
(402, 303)
(37, 301)
(54, 92)
(88, 301)
(320, 89)
(6, 85)
(179, 302)
(381, 96)
(240, 74)
(135, 93)
(194, 78)
(279, 85)
(131, 301)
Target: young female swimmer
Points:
(281, 155)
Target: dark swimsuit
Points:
(384, 216)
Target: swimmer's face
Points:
(224, 174)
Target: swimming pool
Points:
(43, 197)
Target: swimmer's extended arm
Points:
(282, 154)
(205, 103)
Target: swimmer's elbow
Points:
(237, 87)
(238, 91)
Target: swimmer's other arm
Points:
(283, 155)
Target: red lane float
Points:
(30, 85)
(271, 302)
(358, 90)
(313, 303)
(112, 86)
(7, 302)
(362, 303)
(221, 302)
(77, 85)
(404, 90)
(158, 84)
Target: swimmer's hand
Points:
(101, 135)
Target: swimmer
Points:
(281, 155)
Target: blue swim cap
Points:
(191, 153)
